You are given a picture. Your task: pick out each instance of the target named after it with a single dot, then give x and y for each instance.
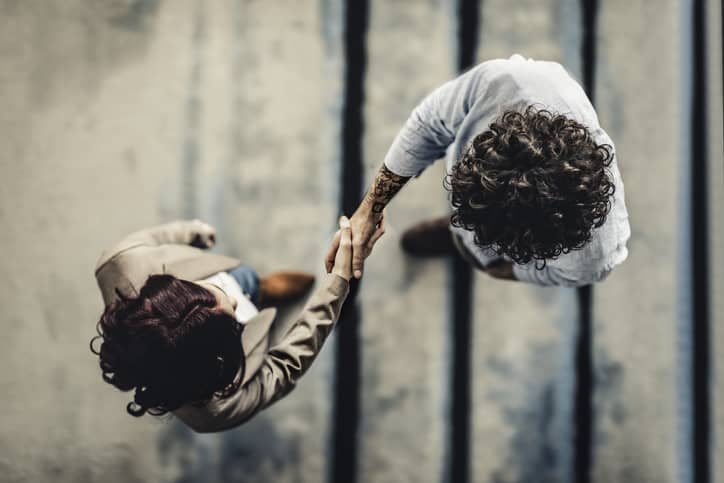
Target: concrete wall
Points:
(118, 114)
(637, 429)
(403, 385)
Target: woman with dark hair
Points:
(533, 178)
(181, 327)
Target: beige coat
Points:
(271, 372)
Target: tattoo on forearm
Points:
(384, 188)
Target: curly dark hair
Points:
(533, 186)
(171, 344)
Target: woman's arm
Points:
(183, 232)
(287, 361)
(284, 364)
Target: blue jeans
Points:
(248, 280)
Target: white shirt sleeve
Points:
(433, 124)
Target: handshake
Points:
(352, 243)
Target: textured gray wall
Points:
(121, 114)
(118, 114)
(636, 433)
(403, 385)
(92, 118)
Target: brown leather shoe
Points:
(429, 238)
(283, 286)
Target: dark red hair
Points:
(172, 345)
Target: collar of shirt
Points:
(245, 309)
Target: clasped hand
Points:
(363, 230)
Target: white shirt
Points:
(447, 120)
(245, 309)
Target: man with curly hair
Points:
(533, 178)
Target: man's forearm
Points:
(368, 221)
(384, 187)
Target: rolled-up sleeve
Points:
(433, 124)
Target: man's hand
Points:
(502, 270)
(368, 221)
(366, 228)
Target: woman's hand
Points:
(203, 235)
(359, 253)
(343, 258)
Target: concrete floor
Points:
(119, 114)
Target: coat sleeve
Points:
(182, 232)
(284, 364)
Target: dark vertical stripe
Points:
(589, 16)
(584, 387)
(583, 443)
(347, 380)
(468, 18)
(468, 14)
(462, 290)
(700, 249)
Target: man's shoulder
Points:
(516, 83)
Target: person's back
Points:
(174, 332)
(511, 120)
